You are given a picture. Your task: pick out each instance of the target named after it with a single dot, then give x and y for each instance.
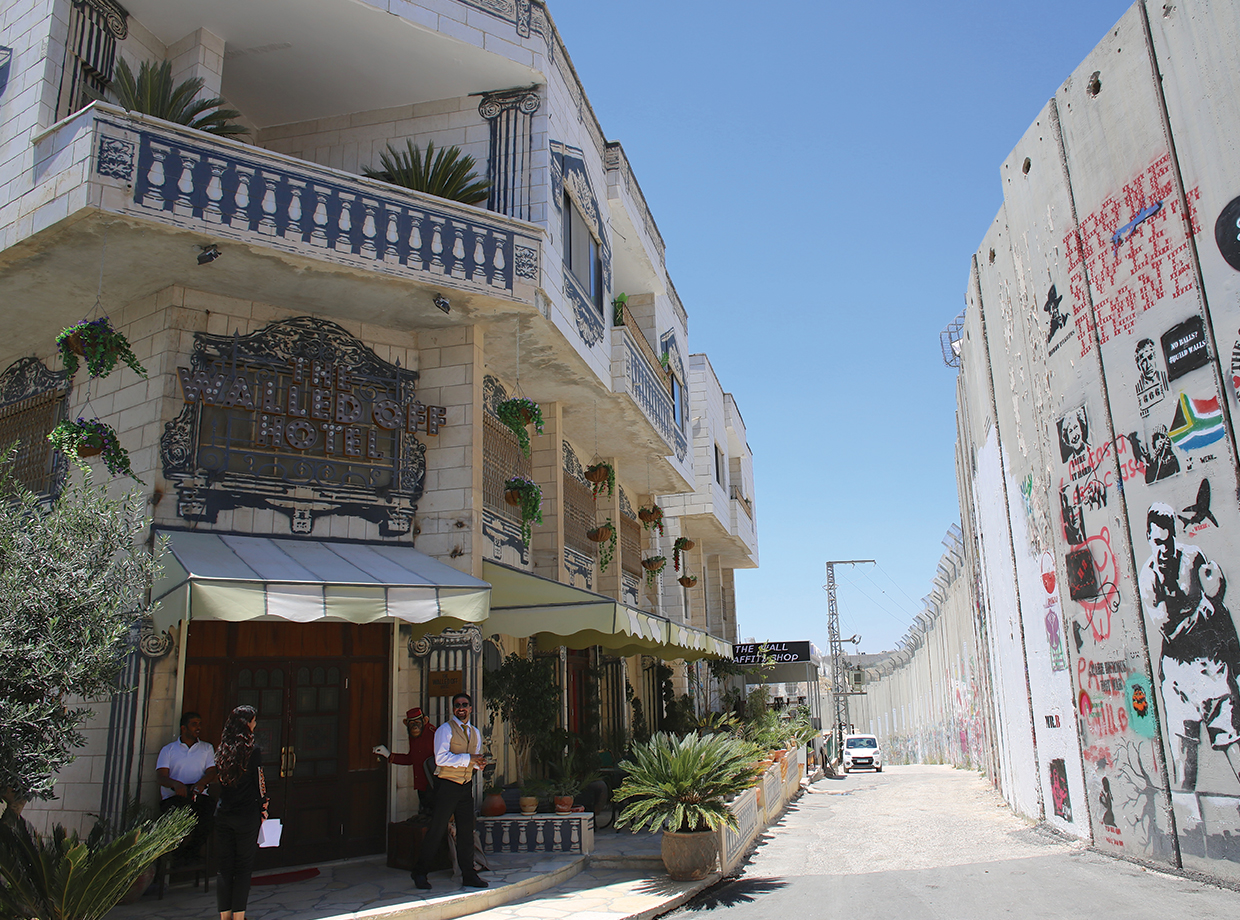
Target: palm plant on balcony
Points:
(91, 438)
(526, 494)
(449, 175)
(101, 345)
(617, 306)
(152, 93)
(516, 414)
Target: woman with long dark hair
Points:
(242, 807)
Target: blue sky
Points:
(822, 174)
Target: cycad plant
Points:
(61, 878)
(450, 174)
(152, 93)
(682, 784)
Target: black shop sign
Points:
(770, 652)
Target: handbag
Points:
(269, 832)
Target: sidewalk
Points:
(623, 878)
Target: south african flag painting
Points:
(1197, 423)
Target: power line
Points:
(897, 584)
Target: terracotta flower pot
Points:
(493, 805)
(529, 804)
(689, 857)
(512, 496)
(563, 804)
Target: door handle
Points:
(285, 769)
(292, 759)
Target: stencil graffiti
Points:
(1107, 801)
(1059, 789)
(1152, 385)
(1074, 435)
(1141, 714)
(1199, 511)
(1158, 459)
(1093, 579)
(1227, 233)
(1136, 253)
(1058, 318)
(1183, 593)
(1184, 347)
(1054, 618)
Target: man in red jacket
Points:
(421, 747)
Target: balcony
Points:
(290, 230)
(635, 372)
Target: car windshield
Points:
(861, 743)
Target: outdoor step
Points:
(637, 862)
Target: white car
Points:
(861, 752)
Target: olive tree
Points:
(75, 576)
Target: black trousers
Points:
(203, 807)
(236, 846)
(451, 800)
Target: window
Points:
(718, 465)
(90, 53)
(581, 253)
(678, 401)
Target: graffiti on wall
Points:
(1152, 385)
(1135, 252)
(1054, 617)
(1227, 233)
(1061, 802)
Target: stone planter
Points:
(529, 804)
(689, 857)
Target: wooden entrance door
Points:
(320, 691)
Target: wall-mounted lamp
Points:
(209, 254)
(442, 302)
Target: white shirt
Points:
(443, 740)
(185, 764)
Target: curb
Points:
(677, 900)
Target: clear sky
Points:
(822, 173)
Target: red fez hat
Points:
(414, 713)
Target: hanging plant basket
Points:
(605, 536)
(516, 414)
(601, 475)
(101, 345)
(651, 517)
(688, 581)
(92, 438)
(682, 545)
(529, 498)
(653, 566)
(602, 533)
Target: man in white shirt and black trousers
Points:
(458, 754)
(185, 768)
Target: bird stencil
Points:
(1200, 510)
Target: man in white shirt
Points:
(458, 755)
(185, 768)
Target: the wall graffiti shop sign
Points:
(303, 418)
(770, 652)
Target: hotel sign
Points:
(302, 418)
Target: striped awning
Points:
(524, 605)
(210, 576)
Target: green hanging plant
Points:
(152, 93)
(653, 566)
(451, 175)
(617, 307)
(89, 438)
(527, 494)
(682, 545)
(651, 517)
(601, 475)
(605, 536)
(101, 346)
(518, 412)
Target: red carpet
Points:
(283, 878)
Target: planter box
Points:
(545, 833)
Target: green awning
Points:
(210, 576)
(524, 605)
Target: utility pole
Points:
(839, 680)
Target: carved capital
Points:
(493, 105)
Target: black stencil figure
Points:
(1200, 510)
(1159, 458)
(1184, 594)
(1073, 434)
(1106, 800)
(1051, 309)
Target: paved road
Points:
(918, 842)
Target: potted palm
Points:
(449, 174)
(516, 414)
(101, 346)
(681, 786)
(526, 494)
(601, 475)
(531, 791)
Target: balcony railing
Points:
(739, 497)
(645, 381)
(643, 345)
(229, 190)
